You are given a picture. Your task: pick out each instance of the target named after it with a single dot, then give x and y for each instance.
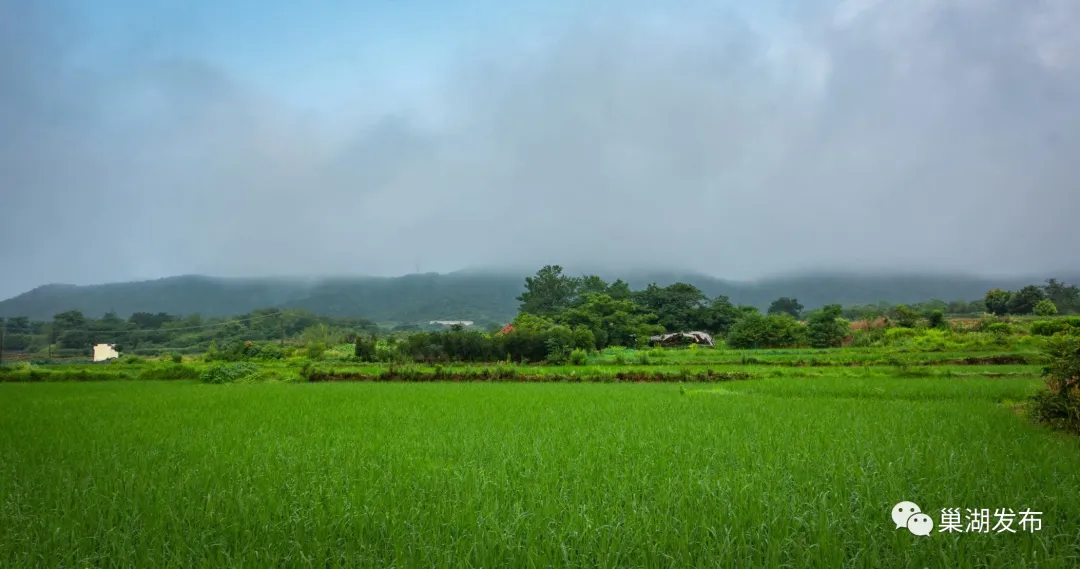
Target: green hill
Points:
(477, 296)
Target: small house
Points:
(680, 338)
(105, 352)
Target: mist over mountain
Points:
(480, 295)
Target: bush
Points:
(1059, 404)
(771, 331)
(578, 357)
(827, 329)
(936, 319)
(584, 339)
(366, 350)
(1000, 328)
(894, 335)
(228, 372)
(315, 350)
(931, 341)
(1048, 327)
(1045, 307)
(176, 358)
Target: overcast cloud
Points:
(921, 134)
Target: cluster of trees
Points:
(71, 332)
(1052, 298)
(560, 314)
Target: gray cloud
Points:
(898, 133)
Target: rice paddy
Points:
(794, 467)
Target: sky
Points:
(143, 139)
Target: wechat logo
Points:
(908, 515)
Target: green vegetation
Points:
(773, 472)
(287, 439)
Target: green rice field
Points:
(793, 467)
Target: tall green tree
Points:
(549, 292)
(1024, 300)
(785, 305)
(612, 322)
(997, 302)
(721, 315)
(826, 328)
(679, 307)
(1065, 297)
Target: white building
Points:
(103, 352)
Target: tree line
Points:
(72, 333)
(561, 314)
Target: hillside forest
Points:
(557, 315)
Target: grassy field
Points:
(799, 469)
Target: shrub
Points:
(935, 319)
(578, 357)
(894, 335)
(1048, 327)
(315, 350)
(1000, 328)
(1059, 404)
(930, 341)
(228, 372)
(264, 352)
(1045, 307)
(176, 358)
(772, 331)
(366, 350)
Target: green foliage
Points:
(176, 357)
(1059, 404)
(549, 292)
(771, 331)
(315, 350)
(584, 339)
(1069, 325)
(579, 357)
(228, 372)
(1024, 300)
(785, 305)
(1000, 328)
(936, 319)
(612, 322)
(169, 371)
(904, 316)
(892, 335)
(679, 307)
(826, 329)
(366, 349)
(997, 302)
(1045, 307)
(1066, 298)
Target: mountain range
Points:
(467, 295)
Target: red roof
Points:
(507, 329)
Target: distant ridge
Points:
(480, 295)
